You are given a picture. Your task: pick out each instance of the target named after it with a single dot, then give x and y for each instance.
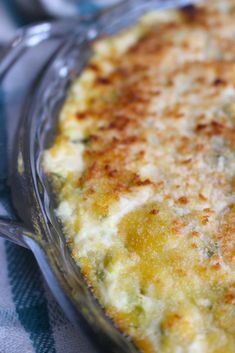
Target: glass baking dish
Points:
(35, 72)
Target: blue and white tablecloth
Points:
(30, 319)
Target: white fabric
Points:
(13, 338)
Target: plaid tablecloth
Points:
(30, 319)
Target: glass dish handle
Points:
(10, 229)
(13, 231)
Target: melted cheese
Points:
(144, 169)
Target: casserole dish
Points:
(66, 48)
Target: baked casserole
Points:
(143, 167)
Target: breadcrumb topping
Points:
(144, 170)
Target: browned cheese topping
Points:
(144, 168)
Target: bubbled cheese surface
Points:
(144, 170)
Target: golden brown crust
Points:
(151, 207)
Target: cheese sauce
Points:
(143, 166)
